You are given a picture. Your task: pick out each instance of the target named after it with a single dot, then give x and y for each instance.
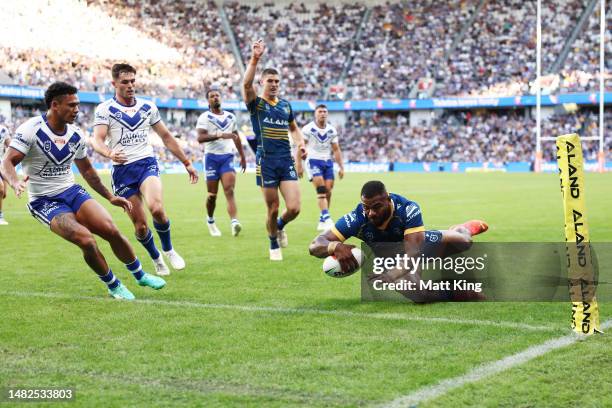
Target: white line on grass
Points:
(487, 370)
(286, 310)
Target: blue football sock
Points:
(211, 220)
(274, 243)
(136, 269)
(280, 223)
(149, 243)
(324, 215)
(110, 280)
(163, 230)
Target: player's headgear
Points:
(373, 188)
(57, 89)
(117, 69)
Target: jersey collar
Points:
(270, 102)
(126, 106)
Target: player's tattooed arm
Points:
(97, 143)
(93, 180)
(248, 92)
(7, 168)
(172, 145)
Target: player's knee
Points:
(293, 210)
(229, 191)
(211, 198)
(85, 241)
(111, 231)
(321, 190)
(157, 210)
(141, 229)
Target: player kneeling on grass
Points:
(388, 217)
(47, 145)
(218, 131)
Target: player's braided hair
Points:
(57, 89)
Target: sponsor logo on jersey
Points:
(279, 122)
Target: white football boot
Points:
(160, 267)
(283, 241)
(175, 259)
(276, 254)
(236, 228)
(214, 231)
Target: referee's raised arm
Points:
(248, 92)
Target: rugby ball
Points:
(331, 266)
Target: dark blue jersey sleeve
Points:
(413, 218)
(349, 225)
(253, 104)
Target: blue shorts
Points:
(218, 164)
(321, 168)
(44, 209)
(270, 172)
(127, 178)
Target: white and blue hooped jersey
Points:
(4, 135)
(128, 126)
(223, 123)
(48, 156)
(320, 140)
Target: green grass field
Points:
(235, 330)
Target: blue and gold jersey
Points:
(406, 219)
(271, 127)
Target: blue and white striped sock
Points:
(149, 243)
(110, 280)
(136, 269)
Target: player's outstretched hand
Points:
(258, 49)
(341, 173)
(243, 164)
(193, 174)
(121, 202)
(345, 257)
(20, 187)
(118, 156)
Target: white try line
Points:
(487, 370)
(287, 310)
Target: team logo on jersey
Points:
(47, 146)
(72, 147)
(118, 115)
(287, 110)
(369, 236)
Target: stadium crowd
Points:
(180, 47)
(309, 43)
(455, 136)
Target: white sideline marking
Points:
(270, 309)
(487, 370)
